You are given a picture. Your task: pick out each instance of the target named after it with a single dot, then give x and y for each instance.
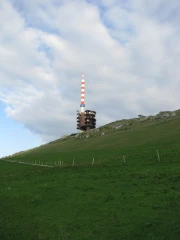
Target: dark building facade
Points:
(86, 120)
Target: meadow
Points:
(132, 197)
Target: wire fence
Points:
(147, 156)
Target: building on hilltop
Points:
(86, 119)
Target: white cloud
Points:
(129, 55)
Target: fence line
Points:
(34, 164)
(131, 158)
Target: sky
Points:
(129, 51)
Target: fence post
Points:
(73, 163)
(158, 156)
(93, 162)
(124, 160)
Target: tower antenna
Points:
(86, 120)
(82, 94)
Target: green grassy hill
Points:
(138, 199)
(139, 137)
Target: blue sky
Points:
(129, 51)
(14, 137)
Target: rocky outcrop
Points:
(122, 125)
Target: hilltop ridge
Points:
(105, 143)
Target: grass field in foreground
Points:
(138, 200)
(100, 202)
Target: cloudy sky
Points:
(128, 49)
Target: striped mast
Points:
(82, 94)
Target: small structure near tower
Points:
(86, 120)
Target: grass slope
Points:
(110, 200)
(139, 139)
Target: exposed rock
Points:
(96, 130)
(173, 114)
(165, 115)
(117, 126)
(103, 133)
(143, 118)
(87, 136)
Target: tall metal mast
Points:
(82, 94)
(86, 120)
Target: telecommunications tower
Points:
(86, 119)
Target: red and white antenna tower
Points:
(86, 120)
(82, 94)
